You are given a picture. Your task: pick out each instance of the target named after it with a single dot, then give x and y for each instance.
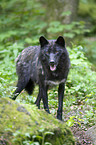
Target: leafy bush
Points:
(67, 30)
(90, 49)
(81, 75)
(24, 21)
(87, 10)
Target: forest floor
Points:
(79, 127)
(82, 116)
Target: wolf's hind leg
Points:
(37, 102)
(30, 87)
(22, 82)
(20, 86)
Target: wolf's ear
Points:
(43, 41)
(60, 41)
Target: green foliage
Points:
(69, 30)
(81, 74)
(87, 10)
(72, 121)
(32, 140)
(90, 49)
(19, 19)
(21, 24)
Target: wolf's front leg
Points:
(60, 100)
(44, 97)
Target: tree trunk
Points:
(55, 8)
(72, 6)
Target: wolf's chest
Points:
(55, 82)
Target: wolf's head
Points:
(51, 51)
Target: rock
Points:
(25, 124)
(91, 132)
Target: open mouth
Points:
(52, 67)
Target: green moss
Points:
(17, 120)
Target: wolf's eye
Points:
(47, 52)
(57, 51)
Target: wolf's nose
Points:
(52, 62)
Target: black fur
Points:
(45, 65)
(30, 87)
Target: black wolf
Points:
(45, 65)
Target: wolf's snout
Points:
(52, 59)
(52, 65)
(52, 62)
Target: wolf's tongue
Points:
(52, 68)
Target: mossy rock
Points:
(91, 132)
(24, 124)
